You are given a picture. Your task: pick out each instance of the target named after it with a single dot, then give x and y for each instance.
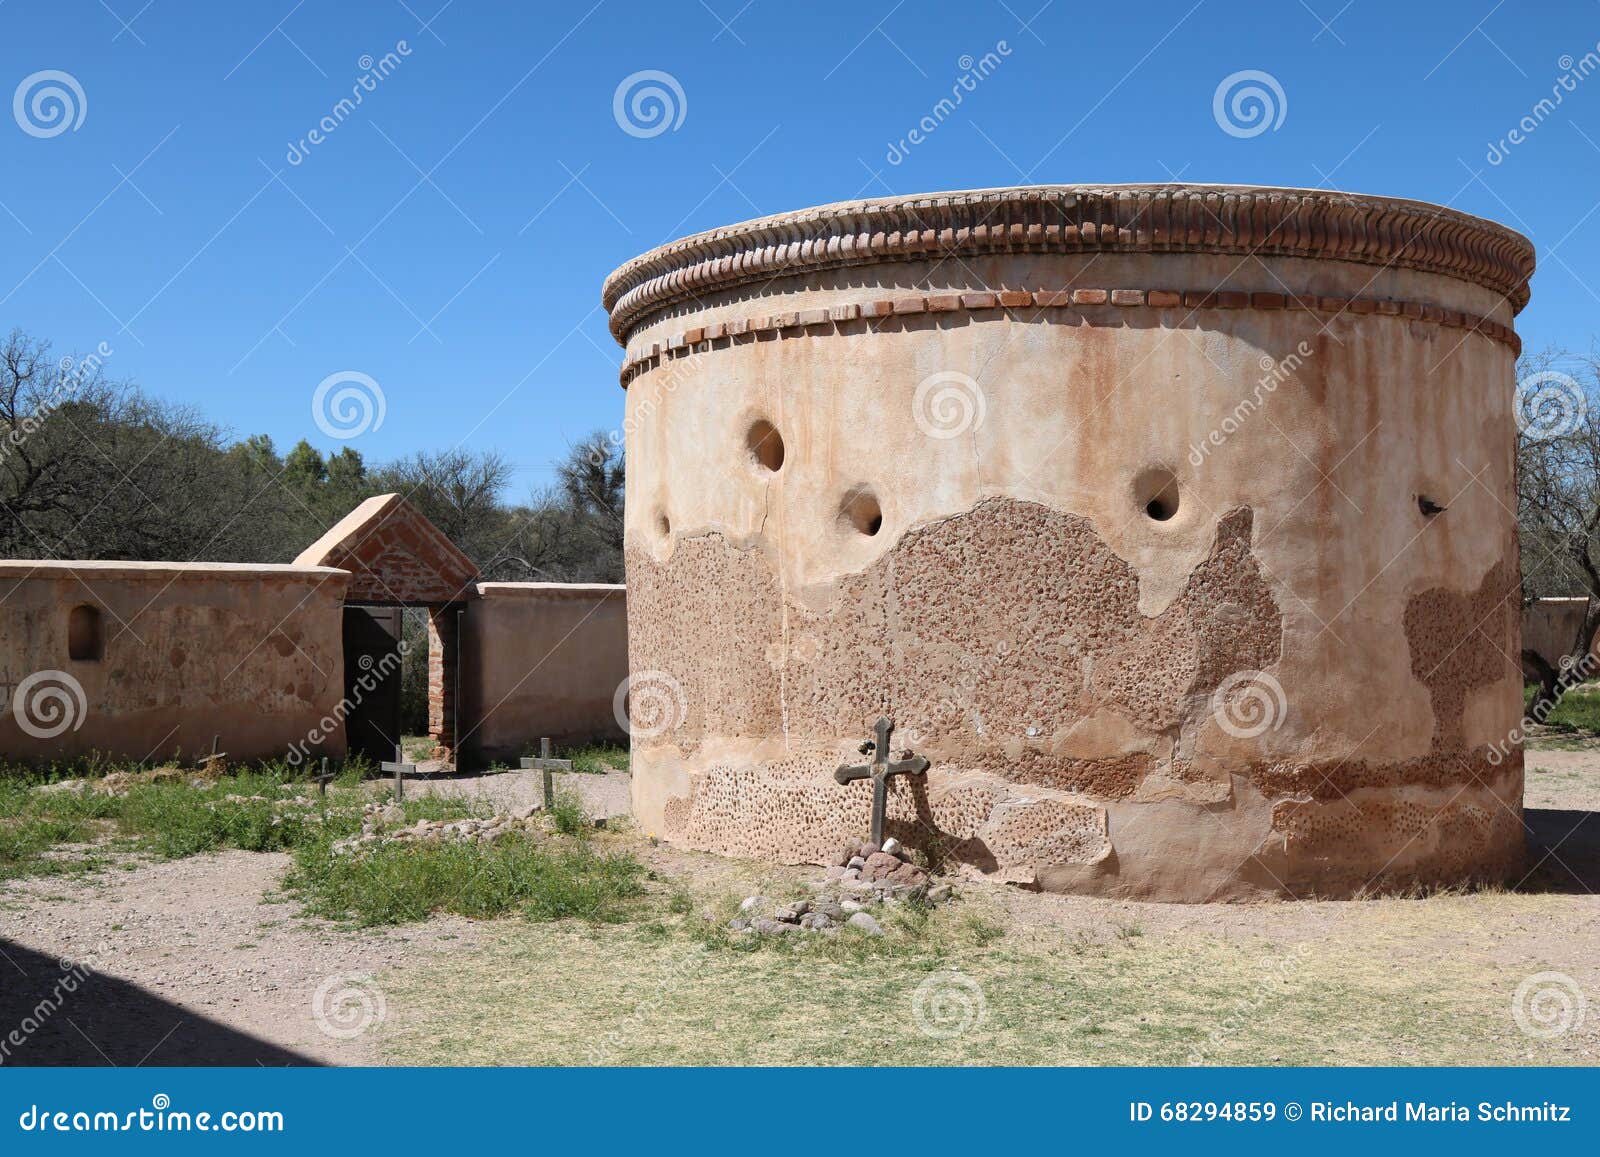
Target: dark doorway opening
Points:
(372, 668)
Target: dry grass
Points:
(1059, 979)
(1063, 981)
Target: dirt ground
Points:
(604, 795)
(201, 960)
(193, 961)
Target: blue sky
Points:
(448, 238)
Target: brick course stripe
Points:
(1091, 304)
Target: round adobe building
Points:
(1171, 524)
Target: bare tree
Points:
(1558, 498)
(573, 531)
(90, 467)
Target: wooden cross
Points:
(323, 779)
(400, 767)
(207, 760)
(879, 771)
(548, 766)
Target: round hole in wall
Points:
(765, 445)
(1156, 491)
(663, 524)
(860, 512)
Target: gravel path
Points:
(202, 961)
(604, 796)
(1562, 779)
(193, 961)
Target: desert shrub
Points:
(568, 814)
(597, 758)
(24, 842)
(393, 883)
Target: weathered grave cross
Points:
(400, 767)
(208, 762)
(549, 766)
(879, 771)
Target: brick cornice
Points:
(1083, 306)
(395, 556)
(1235, 220)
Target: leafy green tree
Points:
(303, 466)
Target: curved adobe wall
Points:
(1120, 502)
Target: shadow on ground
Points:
(1563, 850)
(55, 1012)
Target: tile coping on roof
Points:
(1151, 218)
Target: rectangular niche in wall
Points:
(86, 634)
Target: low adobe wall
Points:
(541, 660)
(181, 652)
(1550, 628)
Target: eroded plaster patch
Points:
(991, 637)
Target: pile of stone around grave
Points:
(382, 823)
(864, 876)
(119, 783)
(280, 801)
